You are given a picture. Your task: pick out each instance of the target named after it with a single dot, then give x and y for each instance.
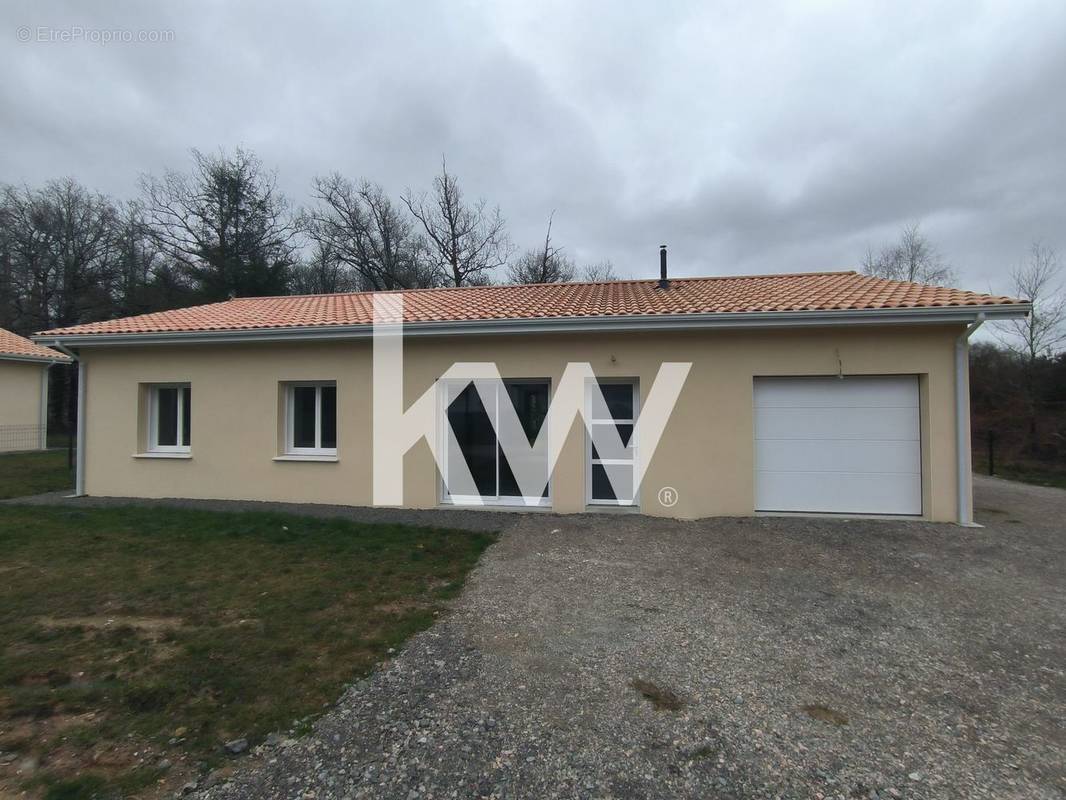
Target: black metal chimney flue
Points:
(664, 282)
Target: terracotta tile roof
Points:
(13, 345)
(821, 291)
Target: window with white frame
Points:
(169, 418)
(311, 419)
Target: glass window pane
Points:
(303, 416)
(625, 434)
(619, 399)
(166, 421)
(530, 402)
(329, 416)
(476, 437)
(612, 481)
(601, 486)
(186, 418)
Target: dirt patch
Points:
(400, 606)
(824, 714)
(662, 699)
(151, 627)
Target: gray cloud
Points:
(775, 138)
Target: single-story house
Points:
(829, 392)
(24, 392)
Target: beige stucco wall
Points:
(706, 451)
(20, 404)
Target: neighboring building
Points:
(24, 392)
(825, 392)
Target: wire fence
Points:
(21, 437)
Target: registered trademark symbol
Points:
(668, 496)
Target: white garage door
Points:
(849, 446)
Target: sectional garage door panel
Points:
(838, 455)
(839, 493)
(828, 423)
(857, 392)
(850, 446)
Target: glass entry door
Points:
(612, 460)
(474, 418)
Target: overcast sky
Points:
(751, 137)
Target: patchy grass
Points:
(129, 635)
(1037, 474)
(23, 474)
(662, 699)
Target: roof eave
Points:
(27, 359)
(634, 322)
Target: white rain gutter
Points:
(32, 359)
(964, 467)
(79, 464)
(643, 323)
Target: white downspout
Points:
(79, 461)
(964, 468)
(42, 412)
(79, 474)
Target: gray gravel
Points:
(943, 648)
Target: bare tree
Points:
(545, 264)
(9, 295)
(137, 261)
(366, 234)
(1037, 280)
(30, 270)
(600, 272)
(58, 247)
(913, 258)
(1041, 331)
(323, 273)
(466, 242)
(225, 223)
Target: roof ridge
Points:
(530, 285)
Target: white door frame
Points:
(634, 502)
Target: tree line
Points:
(222, 228)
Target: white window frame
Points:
(153, 419)
(290, 419)
(444, 388)
(590, 386)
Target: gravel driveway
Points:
(799, 658)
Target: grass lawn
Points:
(1039, 475)
(132, 635)
(24, 474)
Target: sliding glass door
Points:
(474, 418)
